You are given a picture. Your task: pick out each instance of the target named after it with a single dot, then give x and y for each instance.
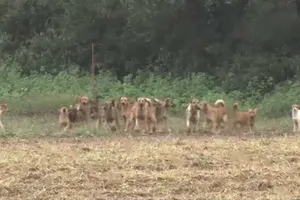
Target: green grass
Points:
(34, 100)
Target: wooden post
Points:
(93, 73)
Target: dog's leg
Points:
(137, 125)
(130, 124)
(167, 126)
(214, 128)
(147, 122)
(2, 127)
(66, 127)
(294, 125)
(188, 123)
(196, 125)
(117, 123)
(153, 124)
(298, 127)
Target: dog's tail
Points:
(235, 107)
(220, 102)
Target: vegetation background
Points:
(239, 50)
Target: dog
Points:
(142, 110)
(88, 109)
(64, 118)
(192, 113)
(246, 118)
(111, 114)
(72, 114)
(125, 105)
(218, 103)
(95, 110)
(161, 111)
(3, 109)
(215, 114)
(83, 108)
(296, 117)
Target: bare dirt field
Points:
(150, 168)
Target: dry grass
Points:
(144, 168)
(162, 167)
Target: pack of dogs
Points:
(154, 113)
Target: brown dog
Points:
(3, 109)
(244, 118)
(218, 103)
(111, 114)
(125, 105)
(215, 114)
(64, 118)
(83, 108)
(142, 110)
(161, 111)
(192, 113)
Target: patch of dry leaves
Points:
(144, 168)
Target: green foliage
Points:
(42, 94)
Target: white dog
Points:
(3, 109)
(296, 117)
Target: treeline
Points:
(242, 44)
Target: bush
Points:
(42, 93)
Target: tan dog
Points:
(215, 114)
(83, 108)
(142, 110)
(111, 114)
(161, 112)
(296, 117)
(192, 113)
(3, 109)
(125, 105)
(64, 118)
(244, 118)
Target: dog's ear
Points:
(255, 110)
(77, 98)
(296, 106)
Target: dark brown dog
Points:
(111, 114)
(161, 112)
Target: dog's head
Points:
(194, 103)
(141, 101)
(157, 102)
(81, 102)
(252, 112)
(4, 107)
(203, 107)
(296, 106)
(108, 105)
(124, 101)
(168, 103)
(84, 100)
(64, 110)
